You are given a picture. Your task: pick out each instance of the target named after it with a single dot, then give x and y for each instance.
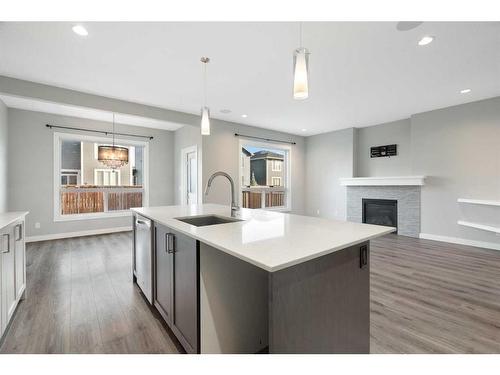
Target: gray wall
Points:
(329, 157)
(30, 146)
(397, 132)
(3, 157)
(185, 137)
(459, 149)
(221, 152)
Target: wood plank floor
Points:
(433, 297)
(426, 297)
(80, 299)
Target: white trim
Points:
(58, 137)
(479, 201)
(287, 171)
(383, 181)
(460, 241)
(55, 236)
(470, 224)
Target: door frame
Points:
(183, 185)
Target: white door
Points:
(189, 175)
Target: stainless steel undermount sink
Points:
(205, 220)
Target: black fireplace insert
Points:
(380, 212)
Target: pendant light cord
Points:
(205, 61)
(300, 34)
(204, 84)
(113, 129)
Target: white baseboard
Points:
(56, 236)
(461, 241)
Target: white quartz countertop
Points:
(8, 218)
(267, 239)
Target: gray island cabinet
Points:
(268, 282)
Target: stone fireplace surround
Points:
(407, 196)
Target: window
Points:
(86, 188)
(107, 177)
(265, 175)
(276, 181)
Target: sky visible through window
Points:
(253, 150)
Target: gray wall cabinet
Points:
(177, 285)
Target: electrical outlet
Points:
(37, 225)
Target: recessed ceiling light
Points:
(425, 40)
(80, 30)
(465, 91)
(244, 116)
(304, 130)
(225, 110)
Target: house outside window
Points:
(265, 175)
(84, 188)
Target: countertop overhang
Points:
(267, 239)
(8, 218)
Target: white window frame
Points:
(287, 171)
(58, 138)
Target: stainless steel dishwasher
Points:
(143, 261)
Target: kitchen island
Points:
(263, 281)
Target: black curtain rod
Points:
(98, 131)
(264, 139)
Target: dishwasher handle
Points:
(142, 222)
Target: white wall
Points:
(329, 157)
(30, 188)
(221, 152)
(3, 157)
(397, 132)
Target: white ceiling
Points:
(37, 105)
(361, 73)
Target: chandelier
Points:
(113, 156)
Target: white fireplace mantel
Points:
(383, 181)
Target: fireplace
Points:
(380, 212)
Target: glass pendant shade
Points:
(300, 74)
(112, 156)
(205, 121)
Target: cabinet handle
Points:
(363, 256)
(170, 243)
(20, 233)
(8, 242)
(141, 222)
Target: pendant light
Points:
(205, 111)
(300, 70)
(113, 156)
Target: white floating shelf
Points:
(488, 228)
(383, 181)
(479, 201)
